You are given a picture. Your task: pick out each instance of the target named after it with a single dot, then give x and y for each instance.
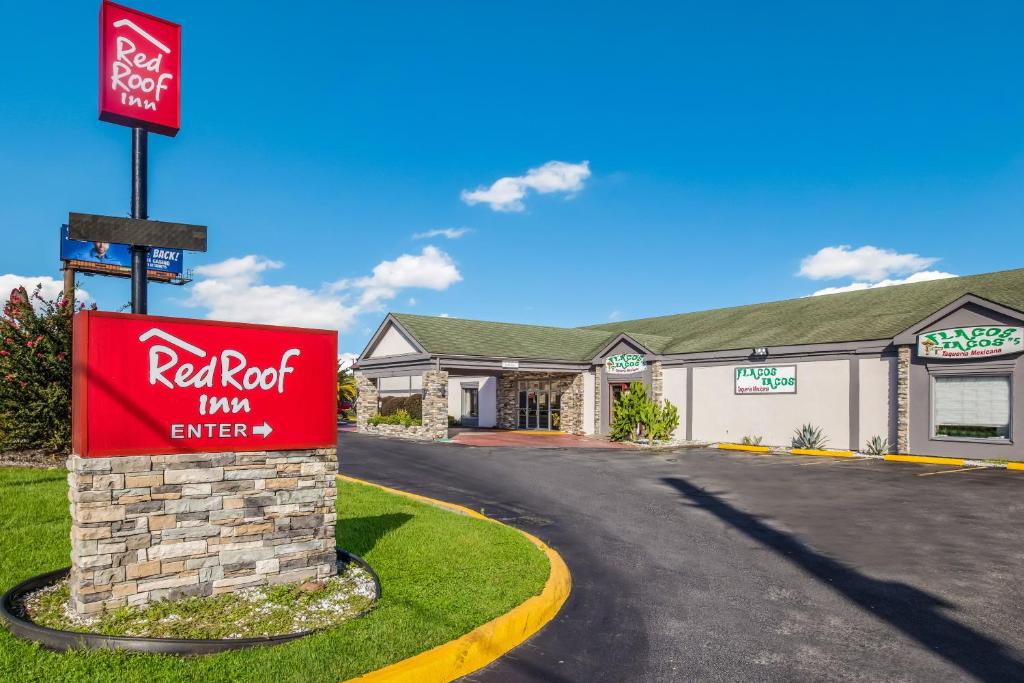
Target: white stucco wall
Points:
(822, 399)
(588, 402)
(673, 388)
(488, 397)
(876, 390)
(402, 385)
(392, 343)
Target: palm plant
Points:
(346, 386)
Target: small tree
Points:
(636, 416)
(35, 372)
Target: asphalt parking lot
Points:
(705, 565)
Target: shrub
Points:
(454, 421)
(399, 417)
(877, 445)
(638, 416)
(751, 440)
(809, 437)
(413, 405)
(35, 373)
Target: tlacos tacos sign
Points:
(624, 364)
(959, 343)
(147, 385)
(761, 379)
(140, 70)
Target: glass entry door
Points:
(470, 406)
(540, 406)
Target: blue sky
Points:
(726, 146)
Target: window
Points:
(971, 407)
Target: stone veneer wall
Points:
(435, 408)
(147, 528)
(903, 400)
(570, 385)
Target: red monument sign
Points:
(140, 70)
(150, 385)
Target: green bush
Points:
(752, 440)
(637, 416)
(809, 437)
(877, 445)
(35, 373)
(413, 405)
(399, 417)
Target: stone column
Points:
(572, 406)
(508, 401)
(435, 403)
(598, 385)
(657, 391)
(366, 400)
(903, 400)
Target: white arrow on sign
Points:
(263, 429)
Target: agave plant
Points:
(877, 445)
(809, 437)
(754, 440)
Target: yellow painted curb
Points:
(484, 644)
(815, 451)
(743, 447)
(1015, 465)
(931, 460)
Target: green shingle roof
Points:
(454, 336)
(879, 313)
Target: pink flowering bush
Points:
(35, 373)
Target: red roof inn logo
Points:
(146, 384)
(140, 70)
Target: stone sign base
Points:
(147, 528)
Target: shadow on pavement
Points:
(916, 613)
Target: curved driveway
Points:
(696, 565)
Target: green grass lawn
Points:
(443, 574)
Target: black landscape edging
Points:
(60, 641)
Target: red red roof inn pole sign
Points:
(151, 385)
(140, 70)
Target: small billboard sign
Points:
(146, 385)
(140, 70)
(116, 256)
(765, 379)
(625, 364)
(982, 341)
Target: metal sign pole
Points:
(140, 181)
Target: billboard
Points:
(149, 385)
(140, 70)
(117, 257)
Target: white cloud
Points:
(430, 269)
(346, 359)
(506, 194)
(615, 315)
(51, 287)
(449, 233)
(923, 276)
(412, 301)
(233, 289)
(444, 315)
(863, 263)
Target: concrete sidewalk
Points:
(529, 439)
